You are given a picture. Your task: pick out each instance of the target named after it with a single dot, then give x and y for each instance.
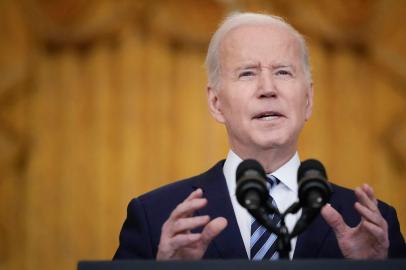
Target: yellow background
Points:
(101, 101)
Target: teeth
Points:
(268, 118)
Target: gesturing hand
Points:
(177, 241)
(369, 239)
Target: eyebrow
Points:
(248, 66)
(283, 66)
(259, 66)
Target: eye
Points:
(246, 74)
(283, 72)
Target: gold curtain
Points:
(102, 101)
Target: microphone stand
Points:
(284, 246)
(284, 237)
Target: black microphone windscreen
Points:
(249, 164)
(311, 164)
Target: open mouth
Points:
(268, 116)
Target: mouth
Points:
(268, 116)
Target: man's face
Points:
(264, 97)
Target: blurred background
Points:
(101, 101)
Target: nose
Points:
(266, 84)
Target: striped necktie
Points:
(263, 244)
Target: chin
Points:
(270, 143)
(276, 139)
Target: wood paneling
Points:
(97, 112)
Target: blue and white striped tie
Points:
(263, 244)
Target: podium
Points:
(321, 264)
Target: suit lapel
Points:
(229, 242)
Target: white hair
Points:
(235, 20)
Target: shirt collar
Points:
(287, 173)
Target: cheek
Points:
(230, 103)
(299, 108)
(224, 104)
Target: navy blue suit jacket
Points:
(140, 234)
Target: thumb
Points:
(334, 219)
(212, 229)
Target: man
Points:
(260, 88)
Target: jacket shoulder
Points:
(179, 190)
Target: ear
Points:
(214, 104)
(309, 102)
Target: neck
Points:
(271, 159)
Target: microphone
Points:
(252, 192)
(314, 189)
(314, 192)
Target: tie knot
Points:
(272, 180)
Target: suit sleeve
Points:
(135, 237)
(397, 247)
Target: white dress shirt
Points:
(284, 194)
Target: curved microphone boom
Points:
(314, 192)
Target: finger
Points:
(379, 233)
(187, 208)
(182, 240)
(370, 193)
(335, 220)
(195, 194)
(212, 229)
(168, 248)
(186, 224)
(364, 199)
(369, 215)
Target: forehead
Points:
(263, 43)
